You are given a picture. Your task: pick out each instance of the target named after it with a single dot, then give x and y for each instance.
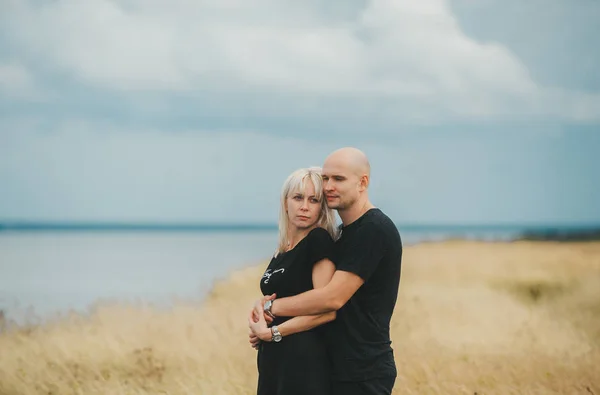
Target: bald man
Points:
(364, 287)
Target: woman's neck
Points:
(295, 235)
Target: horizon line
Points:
(25, 225)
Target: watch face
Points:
(267, 305)
(276, 335)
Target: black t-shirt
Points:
(290, 273)
(359, 338)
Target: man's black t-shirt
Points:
(359, 338)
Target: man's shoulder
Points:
(374, 225)
(380, 223)
(377, 219)
(375, 215)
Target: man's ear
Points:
(364, 182)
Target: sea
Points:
(49, 270)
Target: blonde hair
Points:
(297, 182)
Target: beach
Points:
(471, 317)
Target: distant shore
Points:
(483, 232)
(28, 226)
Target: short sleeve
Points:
(363, 256)
(320, 245)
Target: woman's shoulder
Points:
(320, 235)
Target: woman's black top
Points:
(299, 363)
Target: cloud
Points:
(103, 171)
(98, 170)
(385, 59)
(15, 80)
(555, 40)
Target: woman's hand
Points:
(259, 328)
(254, 340)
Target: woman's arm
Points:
(321, 274)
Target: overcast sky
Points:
(471, 111)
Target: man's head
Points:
(346, 175)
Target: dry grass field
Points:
(471, 318)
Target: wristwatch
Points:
(267, 308)
(275, 335)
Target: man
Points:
(364, 287)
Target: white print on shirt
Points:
(268, 274)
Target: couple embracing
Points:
(323, 324)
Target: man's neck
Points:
(353, 213)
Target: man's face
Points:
(340, 184)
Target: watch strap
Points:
(267, 308)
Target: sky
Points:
(470, 111)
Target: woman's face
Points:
(303, 207)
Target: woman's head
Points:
(303, 204)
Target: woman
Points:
(292, 356)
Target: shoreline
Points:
(8, 324)
(481, 232)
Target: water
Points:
(46, 271)
(43, 273)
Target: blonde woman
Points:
(292, 354)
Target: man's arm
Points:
(322, 300)
(322, 274)
(303, 323)
(363, 257)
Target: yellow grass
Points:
(485, 318)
